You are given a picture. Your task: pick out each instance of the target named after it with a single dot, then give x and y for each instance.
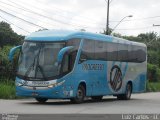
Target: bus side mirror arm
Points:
(12, 52)
(81, 60)
(62, 52)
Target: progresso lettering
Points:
(93, 66)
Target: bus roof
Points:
(63, 35)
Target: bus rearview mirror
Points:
(12, 52)
(62, 52)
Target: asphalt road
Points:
(140, 103)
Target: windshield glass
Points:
(38, 60)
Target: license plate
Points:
(40, 83)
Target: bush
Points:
(7, 69)
(153, 73)
(7, 89)
(153, 87)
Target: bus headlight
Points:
(19, 84)
(56, 84)
(52, 85)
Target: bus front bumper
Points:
(59, 92)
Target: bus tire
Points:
(41, 100)
(128, 92)
(80, 95)
(97, 98)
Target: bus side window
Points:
(69, 58)
(112, 51)
(100, 50)
(68, 62)
(122, 52)
(88, 50)
(140, 54)
(137, 54)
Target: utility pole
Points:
(107, 21)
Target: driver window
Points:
(70, 57)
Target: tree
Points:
(8, 36)
(105, 32)
(8, 39)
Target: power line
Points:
(44, 21)
(26, 15)
(21, 19)
(44, 16)
(58, 13)
(135, 28)
(139, 19)
(30, 11)
(87, 27)
(79, 25)
(14, 24)
(68, 12)
(45, 28)
(145, 18)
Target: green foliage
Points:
(8, 39)
(8, 36)
(7, 89)
(147, 37)
(117, 35)
(153, 87)
(109, 31)
(154, 58)
(153, 73)
(6, 67)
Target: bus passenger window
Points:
(112, 51)
(100, 50)
(122, 52)
(88, 50)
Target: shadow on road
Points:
(67, 102)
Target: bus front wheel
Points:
(128, 92)
(80, 95)
(41, 100)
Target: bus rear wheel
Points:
(128, 92)
(97, 98)
(80, 95)
(41, 100)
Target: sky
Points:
(81, 14)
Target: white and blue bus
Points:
(59, 64)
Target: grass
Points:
(153, 87)
(7, 89)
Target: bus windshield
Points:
(38, 60)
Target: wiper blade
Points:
(42, 71)
(30, 67)
(39, 67)
(33, 64)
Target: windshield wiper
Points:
(41, 70)
(30, 67)
(38, 67)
